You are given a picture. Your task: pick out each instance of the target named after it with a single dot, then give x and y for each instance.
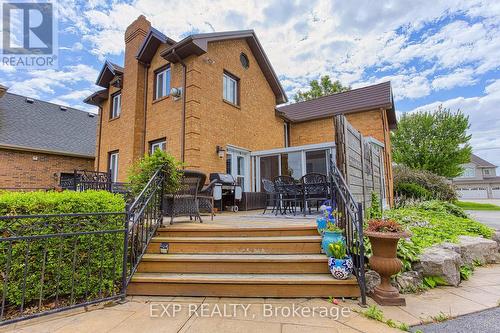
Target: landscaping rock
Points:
(372, 280)
(439, 261)
(475, 249)
(409, 281)
(496, 238)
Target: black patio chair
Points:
(314, 190)
(289, 194)
(271, 195)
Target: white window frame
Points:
(230, 86)
(116, 107)
(469, 172)
(158, 144)
(162, 76)
(113, 165)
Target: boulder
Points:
(439, 261)
(409, 281)
(372, 279)
(472, 249)
(496, 238)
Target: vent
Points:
(91, 115)
(63, 108)
(30, 100)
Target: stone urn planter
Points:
(385, 263)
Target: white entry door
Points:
(238, 165)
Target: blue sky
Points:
(434, 52)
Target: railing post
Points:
(125, 251)
(361, 269)
(75, 174)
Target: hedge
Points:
(96, 258)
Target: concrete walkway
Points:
(209, 314)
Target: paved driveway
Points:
(488, 217)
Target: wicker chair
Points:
(271, 195)
(315, 189)
(289, 194)
(184, 202)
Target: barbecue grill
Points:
(227, 192)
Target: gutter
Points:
(45, 151)
(183, 127)
(99, 142)
(146, 75)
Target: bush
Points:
(76, 267)
(142, 171)
(438, 187)
(412, 190)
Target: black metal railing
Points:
(51, 263)
(352, 220)
(144, 216)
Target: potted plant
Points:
(328, 228)
(384, 235)
(339, 263)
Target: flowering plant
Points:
(331, 217)
(337, 250)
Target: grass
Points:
(467, 205)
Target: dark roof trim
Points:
(150, 45)
(198, 44)
(97, 98)
(44, 151)
(108, 72)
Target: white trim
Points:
(316, 146)
(44, 151)
(371, 139)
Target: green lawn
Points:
(476, 206)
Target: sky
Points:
(433, 52)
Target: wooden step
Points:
(234, 263)
(242, 285)
(236, 231)
(249, 245)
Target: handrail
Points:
(353, 219)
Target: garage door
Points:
(496, 192)
(473, 193)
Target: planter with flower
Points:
(328, 228)
(339, 262)
(384, 236)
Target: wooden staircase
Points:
(236, 261)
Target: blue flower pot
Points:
(321, 225)
(331, 237)
(341, 269)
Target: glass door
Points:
(238, 165)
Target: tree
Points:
(323, 88)
(435, 141)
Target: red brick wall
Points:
(21, 169)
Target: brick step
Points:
(201, 230)
(234, 263)
(235, 245)
(242, 285)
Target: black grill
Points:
(230, 191)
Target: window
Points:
(287, 134)
(486, 172)
(468, 172)
(162, 83)
(160, 144)
(113, 165)
(244, 60)
(116, 106)
(230, 88)
(316, 161)
(291, 164)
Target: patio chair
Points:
(185, 201)
(289, 194)
(271, 195)
(315, 190)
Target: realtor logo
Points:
(29, 37)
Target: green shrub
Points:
(142, 171)
(95, 258)
(439, 187)
(375, 210)
(412, 190)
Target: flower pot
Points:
(321, 225)
(331, 237)
(341, 269)
(386, 264)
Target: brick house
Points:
(41, 140)
(211, 100)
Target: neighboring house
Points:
(478, 181)
(41, 140)
(222, 115)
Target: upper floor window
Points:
(468, 172)
(160, 144)
(230, 88)
(162, 83)
(116, 105)
(286, 130)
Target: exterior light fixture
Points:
(220, 151)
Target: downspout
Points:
(100, 138)
(183, 127)
(146, 76)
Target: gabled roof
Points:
(361, 99)
(479, 162)
(151, 43)
(108, 72)
(97, 98)
(198, 44)
(45, 127)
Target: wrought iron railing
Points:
(352, 220)
(51, 263)
(144, 216)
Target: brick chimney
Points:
(133, 92)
